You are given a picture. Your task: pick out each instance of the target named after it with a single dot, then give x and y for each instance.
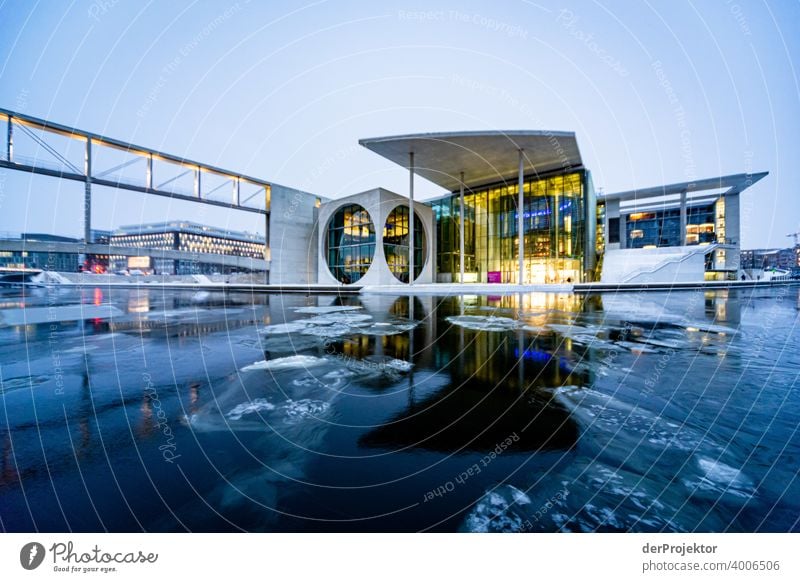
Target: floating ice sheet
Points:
(334, 380)
(485, 322)
(290, 327)
(328, 309)
(343, 317)
(636, 347)
(604, 414)
(256, 405)
(330, 331)
(498, 511)
(299, 410)
(289, 362)
(717, 477)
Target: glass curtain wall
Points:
(553, 227)
(662, 228)
(396, 243)
(350, 243)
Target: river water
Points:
(140, 409)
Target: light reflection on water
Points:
(537, 412)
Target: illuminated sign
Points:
(138, 262)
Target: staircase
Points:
(704, 250)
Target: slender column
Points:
(461, 228)
(87, 195)
(197, 191)
(411, 218)
(235, 194)
(411, 351)
(10, 140)
(149, 176)
(520, 222)
(683, 219)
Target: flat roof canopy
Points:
(483, 156)
(733, 184)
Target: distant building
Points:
(50, 260)
(182, 236)
(771, 258)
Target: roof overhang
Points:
(483, 156)
(733, 184)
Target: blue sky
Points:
(657, 92)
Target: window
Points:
(350, 243)
(613, 230)
(396, 243)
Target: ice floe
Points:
(498, 511)
(328, 309)
(299, 410)
(604, 414)
(287, 363)
(290, 327)
(636, 347)
(256, 405)
(343, 317)
(717, 477)
(485, 322)
(333, 380)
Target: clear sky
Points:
(657, 92)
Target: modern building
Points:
(472, 234)
(520, 208)
(687, 231)
(17, 257)
(186, 236)
(366, 240)
(569, 234)
(788, 258)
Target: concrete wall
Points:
(293, 234)
(379, 203)
(659, 265)
(733, 231)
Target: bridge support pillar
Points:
(87, 196)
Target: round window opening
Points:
(396, 244)
(350, 243)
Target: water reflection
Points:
(636, 411)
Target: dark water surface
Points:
(128, 410)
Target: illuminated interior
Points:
(350, 243)
(396, 243)
(553, 226)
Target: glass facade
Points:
(662, 228)
(350, 243)
(395, 243)
(553, 227)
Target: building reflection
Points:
(497, 385)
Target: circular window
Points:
(350, 243)
(396, 243)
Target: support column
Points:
(10, 140)
(235, 194)
(556, 215)
(87, 195)
(683, 219)
(197, 185)
(461, 229)
(149, 177)
(520, 221)
(411, 218)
